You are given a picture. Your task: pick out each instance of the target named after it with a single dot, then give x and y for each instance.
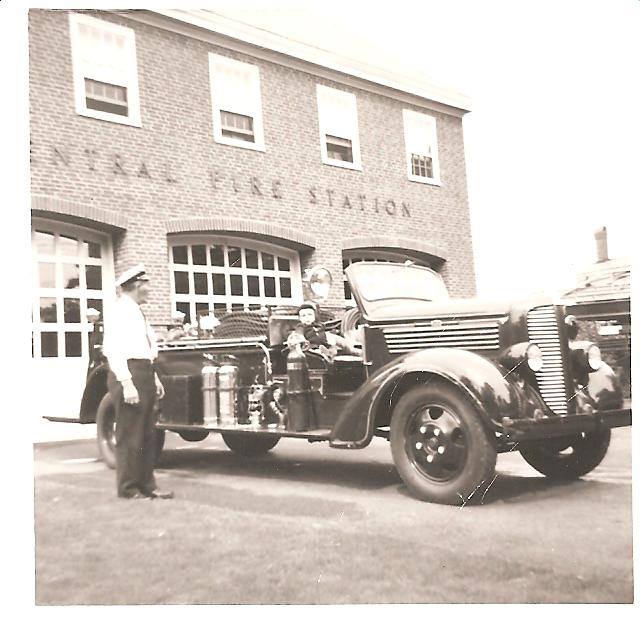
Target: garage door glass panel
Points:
(68, 262)
(238, 275)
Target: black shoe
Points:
(160, 494)
(135, 495)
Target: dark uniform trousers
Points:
(135, 431)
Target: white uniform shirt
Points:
(127, 335)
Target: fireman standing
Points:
(131, 349)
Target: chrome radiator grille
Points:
(464, 334)
(543, 331)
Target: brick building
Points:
(228, 160)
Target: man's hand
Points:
(159, 387)
(129, 392)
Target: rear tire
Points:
(193, 436)
(106, 433)
(250, 445)
(568, 458)
(439, 445)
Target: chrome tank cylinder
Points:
(210, 394)
(227, 393)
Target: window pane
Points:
(94, 277)
(202, 309)
(96, 304)
(219, 309)
(347, 290)
(43, 242)
(182, 282)
(71, 310)
(283, 264)
(180, 255)
(218, 284)
(236, 284)
(253, 284)
(199, 254)
(71, 275)
(269, 287)
(49, 344)
(267, 261)
(67, 246)
(234, 257)
(94, 250)
(285, 287)
(183, 306)
(216, 253)
(48, 310)
(237, 307)
(47, 274)
(200, 283)
(251, 257)
(73, 344)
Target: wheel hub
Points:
(436, 442)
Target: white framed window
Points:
(338, 122)
(73, 271)
(105, 71)
(370, 255)
(236, 102)
(222, 274)
(421, 145)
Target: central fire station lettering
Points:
(129, 169)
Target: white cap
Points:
(137, 272)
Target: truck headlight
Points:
(534, 357)
(594, 357)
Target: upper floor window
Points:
(236, 102)
(421, 144)
(338, 121)
(105, 73)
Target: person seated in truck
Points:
(316, 335)
(176, 330)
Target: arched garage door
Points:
(72, 271)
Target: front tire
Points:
(439, 445)
(568, 458)
(250, 445)
(106, 433)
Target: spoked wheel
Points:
(439, 446)
(250, 445)
(567, 457)
(106, 433)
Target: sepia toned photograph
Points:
(330, 302)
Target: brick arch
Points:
(436, 253)
(262, 230)
(76, 212)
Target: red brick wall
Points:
(177, 133)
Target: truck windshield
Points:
(377, 281)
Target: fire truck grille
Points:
(473, 334)
(543, 331)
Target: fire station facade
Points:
(228, 161)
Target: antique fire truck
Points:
(449, 382)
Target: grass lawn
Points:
(220, 544)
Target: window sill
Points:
(342, 164)
(256, 147)
(102, 116)
(421, 180)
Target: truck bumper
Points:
(555, 426)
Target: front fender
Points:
(604, 390)
(483, 382)
(94, 390)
